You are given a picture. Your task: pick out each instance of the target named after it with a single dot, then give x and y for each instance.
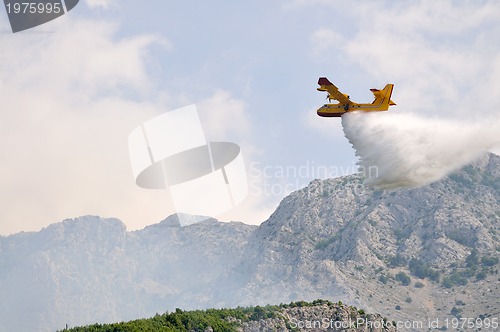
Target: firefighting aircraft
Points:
(381, 103)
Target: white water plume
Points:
(405, 150)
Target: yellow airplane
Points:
(381, 103)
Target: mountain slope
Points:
(409, 255)
(336, 238)
(90, 269)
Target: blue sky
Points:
(72, 90)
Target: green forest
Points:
(220, 320)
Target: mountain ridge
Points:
(334, 239)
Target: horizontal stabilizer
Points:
(385, 93)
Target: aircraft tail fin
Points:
(388, 92)
(383, 97)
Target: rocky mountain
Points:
(335, 239)
(89, 269)
(319, 317)
(411, 255)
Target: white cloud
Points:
(323, 39)
(224, 117)
(98, 3)
(66, 118)
(82, 57)
(297, 4)
(70, 111)
(440, 54)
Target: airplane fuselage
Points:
(337, 110)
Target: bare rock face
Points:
(323, 316)
(411, 255)
(89, 269)
(336, 238)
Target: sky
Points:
(73, 89)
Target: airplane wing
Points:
(333, 91)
